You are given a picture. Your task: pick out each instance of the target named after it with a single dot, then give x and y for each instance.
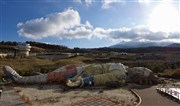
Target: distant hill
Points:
(144, 45)
(36, 47)
(134, 45)
(174, 45)
(139, 50)
(48, 47)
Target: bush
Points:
(176, 74)
(9, 57)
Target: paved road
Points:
(150, 97)
(10, 98)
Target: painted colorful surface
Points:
(94, 101)
(87, 75)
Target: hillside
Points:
(140, 49)
(144, 44)
(36, 47)
(134, 44)
(174, 45)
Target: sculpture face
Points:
(141, 75)
(140, 71)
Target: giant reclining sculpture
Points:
(88, 75)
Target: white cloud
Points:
(106, 3)
(150, 1)
(144, 1)
(137, 33)
(55, 25)
(79, 1)
(77, 32)
(88, 2)
(67, 24)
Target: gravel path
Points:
(10, 98)
(150, 97)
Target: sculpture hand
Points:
(73, 84)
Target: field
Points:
(164, 64)
(27, 66)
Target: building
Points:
(3, 55)
(22, 49)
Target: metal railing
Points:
(173, 92)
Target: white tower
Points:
(23, 49)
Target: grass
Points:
(74, 60)
(171, 73)
(26, 66)
(25, 63)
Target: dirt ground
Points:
(56, 95)
(10, 98)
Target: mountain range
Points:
(174, 45)
(144, 44)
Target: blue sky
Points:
(90, 23)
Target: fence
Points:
(173, 92)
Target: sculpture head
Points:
(141, 75)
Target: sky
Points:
(90, 23)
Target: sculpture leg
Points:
(60, 75)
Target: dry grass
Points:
(37, 49)
(74, 60)
(172, 73)
(24, 63)
(26, 66)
